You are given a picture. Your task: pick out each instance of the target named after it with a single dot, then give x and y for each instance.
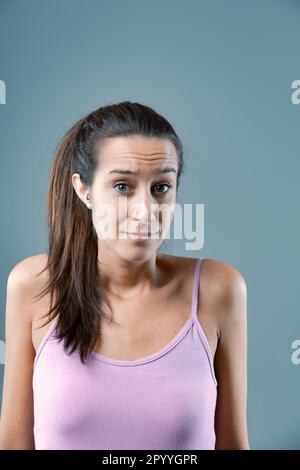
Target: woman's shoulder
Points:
(222, 293)
(221, 276)
(26, 272)
(218, 274)
(221, 285)
(27, 278)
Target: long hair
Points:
(72, 263)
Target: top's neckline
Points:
(121, 362)
(181, 333)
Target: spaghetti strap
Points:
(196, 288)
(50, 332)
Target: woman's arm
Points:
(16, 423)
(231, 362)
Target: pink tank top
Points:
(162, 401)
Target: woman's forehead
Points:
(125, 145)
(133, 154)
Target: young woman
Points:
(140, 350)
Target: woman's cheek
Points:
(105, 220)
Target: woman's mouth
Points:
(139, 235)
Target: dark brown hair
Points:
(72, 264)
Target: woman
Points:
(139, 351)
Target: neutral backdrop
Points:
(221, 72)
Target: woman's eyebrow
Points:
(167, 169)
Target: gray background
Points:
(221, 72)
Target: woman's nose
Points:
(144, 207)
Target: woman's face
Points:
(134, 190)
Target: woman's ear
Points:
(81, 190)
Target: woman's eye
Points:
(121, 184)
(168, 186)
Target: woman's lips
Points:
(137, 235)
